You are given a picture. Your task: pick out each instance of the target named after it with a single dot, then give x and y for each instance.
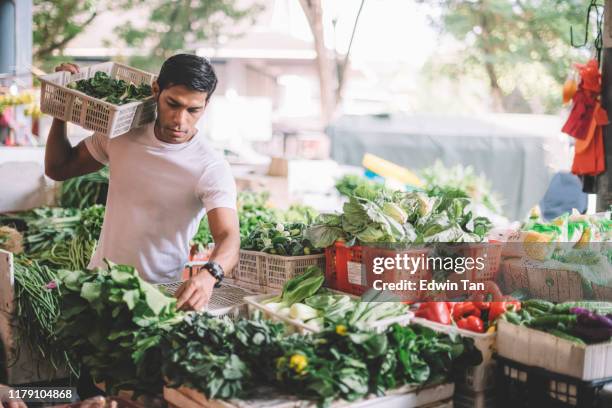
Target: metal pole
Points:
(7, 37)
(604, 180)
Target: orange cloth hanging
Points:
(589, 153)
(585, 122)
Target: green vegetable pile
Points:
(340, 362)
(439, 179)
(85, 191)
(113, 321)
(37, 298)
(254, 211)
(115, 91)
(303, 299)
(279, 239)
(579, 322)
(347, 185)
(370, 217)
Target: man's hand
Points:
(195, 293)
(9, 403)
(67, 66)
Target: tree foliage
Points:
(518, 46)
(174, 26)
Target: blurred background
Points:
(467, 93)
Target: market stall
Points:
(411, 295)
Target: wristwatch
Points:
(215, 270)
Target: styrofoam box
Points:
(540, 349)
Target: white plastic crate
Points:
(73, 106)
(480, 377)
(256, 303)
(268, 272)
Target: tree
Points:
(330, 87)
(174, 25)
(504, 39)
(56, 22)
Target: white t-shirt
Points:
(158, 193)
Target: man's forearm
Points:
(226, 251)
(58, 149)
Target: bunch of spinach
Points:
(253, 210)
(349, 363)
(218, 357)
(113, 321)
(115, 91)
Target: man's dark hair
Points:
(190, 70)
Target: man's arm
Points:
(223, 223)
(62, 161)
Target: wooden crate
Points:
(24, 367)
(404, 397)
(540, 349)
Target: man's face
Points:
(178, 110)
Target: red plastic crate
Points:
(346, 267)
(343, 263)
(491, 252)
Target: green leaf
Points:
(131, 297)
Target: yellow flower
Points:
(298, 362)
(341, 330)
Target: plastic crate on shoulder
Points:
(91, 113)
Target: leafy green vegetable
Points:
(85, 191)
(348, 184)
(280, 239)
(296, 289)
(115, 91)
(439, 180)
(113, 321)
(401, 218)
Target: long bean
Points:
(37, 310)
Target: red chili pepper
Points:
(434, 311)
(464, 309)
(479, 301)
(471, 323)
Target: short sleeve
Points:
(217, 188)
(97, 144)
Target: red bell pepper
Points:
(435, 311)
(464, 309)
(499, 308)
(471, 323)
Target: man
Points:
(163, 178)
